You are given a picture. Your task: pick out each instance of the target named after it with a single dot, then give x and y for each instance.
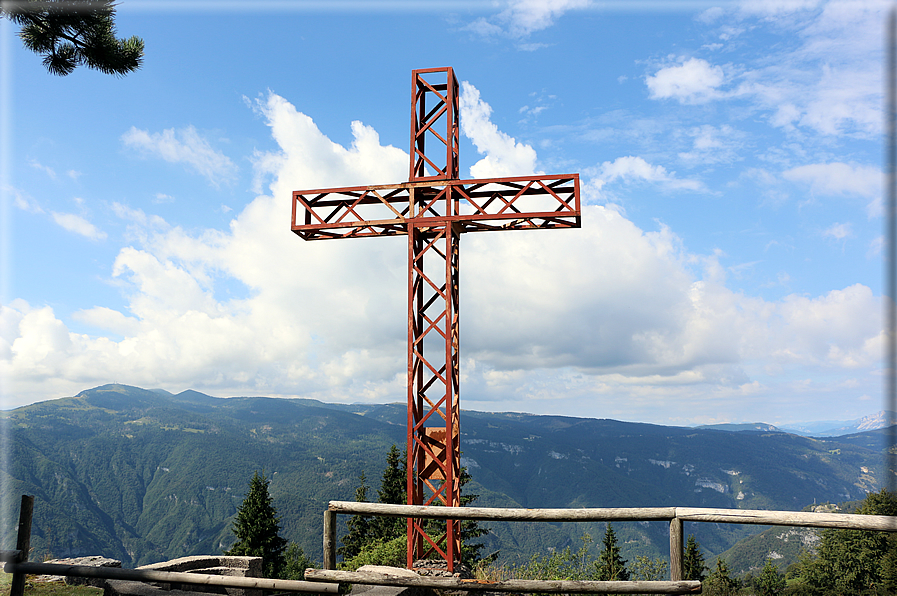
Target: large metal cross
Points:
(433, 209)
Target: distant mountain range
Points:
(823, 428)
(144, 475)
(743, 427)
(832, 428)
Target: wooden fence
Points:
(674, 515)
(17, 563)
(326, 581)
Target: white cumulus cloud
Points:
(308, 159)
(523, 17)
(839, 231)
(78, 225)
(24, 201)
(838, 178)
(184, 146)
(712, 144)
(576, 321)
(825, 75)
(841, 179)
(50, 172)
(629, 169)
(504, 156)
(691, 81)
(527, 16)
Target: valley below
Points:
(144, 476)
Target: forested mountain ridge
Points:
(145, 475)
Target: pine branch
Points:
(69, 33)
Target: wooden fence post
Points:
(675, 549)
(329, 539)
(23, 543)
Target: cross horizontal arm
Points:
(519, 203)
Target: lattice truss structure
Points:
(434, 208)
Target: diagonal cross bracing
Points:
(547, 201)
(434, 208)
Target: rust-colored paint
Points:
(433, 209)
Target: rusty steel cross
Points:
(433, 209)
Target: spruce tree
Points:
(393, 483)
(295, 563)
(366, 531)
(610, 566)
(770, 582)
(851, 561)
(257, 527)
(368, 534)
(394, 480)
(719, 582)
(359, 525)
(647, 569)
(693, 561)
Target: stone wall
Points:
(202, 564)
(94, 561)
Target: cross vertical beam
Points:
(433, 209)
(433, 397)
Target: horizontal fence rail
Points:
(843, 521)
(512, 585)
(172, 577)
(504, 514)
(852, 521)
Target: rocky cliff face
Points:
(881, 420)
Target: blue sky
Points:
(728, 268)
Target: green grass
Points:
(48, 589)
